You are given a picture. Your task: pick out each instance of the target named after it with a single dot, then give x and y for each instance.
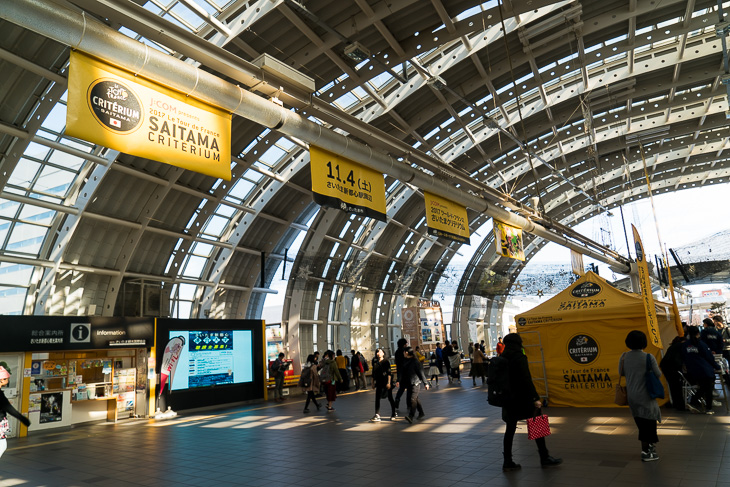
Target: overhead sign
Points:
(508, 240)
(651, 318)
(338, 182)
(446, 218)
(114, 108)
(50, 333)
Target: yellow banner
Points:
(675, 308)
(446, 218)
(338, 182)
(115, 109)
(508, 240)
(652, 323)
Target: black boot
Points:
(508, 464)
(549, 461)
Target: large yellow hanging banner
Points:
(113, 108)
(338, 182)
(508, 240)
(651, 319)
(446, 218)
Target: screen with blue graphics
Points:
(213, 358)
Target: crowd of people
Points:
(691, 360)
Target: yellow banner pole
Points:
(651, 318)
(675, 308)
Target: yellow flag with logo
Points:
(652, 324)
(113, 108)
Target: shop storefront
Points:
(68, 370)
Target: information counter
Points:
(75, 387)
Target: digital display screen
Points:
(213, 357)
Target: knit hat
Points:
(512, 338)
(4, 373)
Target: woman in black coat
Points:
(523, 402)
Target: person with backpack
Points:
(383, 384)
(277, 372)
(413, 377)
(399, 361)
(330, 375)
(358, 371)
(309, 382)
(454, 357)
(521, 400)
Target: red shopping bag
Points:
(538, 427)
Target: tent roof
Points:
(589, 298)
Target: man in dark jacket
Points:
(399, 361)
(671, 365)
(413, 377)
(446, 353)
(523, 402)
(712, 337)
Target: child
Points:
(433, 369)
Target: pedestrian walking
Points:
(644, 408)
(413, 378)
(5, 409)
(522, 402)
(383, 384)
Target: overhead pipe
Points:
(78, 31)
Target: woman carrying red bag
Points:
(522, 402)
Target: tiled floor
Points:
(459, 443)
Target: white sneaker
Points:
(716, 403)
(375, 419)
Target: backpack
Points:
(324, 374)
(306, 377)
(365, 365)
(273, 369)
(498, 381)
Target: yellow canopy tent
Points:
(581, 333)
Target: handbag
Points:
(621, 398)
(653, 385)
(4, 428)
(538, 427)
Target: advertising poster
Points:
(51, 407)
(431, 325)
(446, 218)
(508, 240)
(341, 183)
(214, 358)
(34, 403)
(114, 108)
(411, 326)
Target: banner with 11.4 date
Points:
(338, 182)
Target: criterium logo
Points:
(583, 349)
(115, 106)
(586, 290)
